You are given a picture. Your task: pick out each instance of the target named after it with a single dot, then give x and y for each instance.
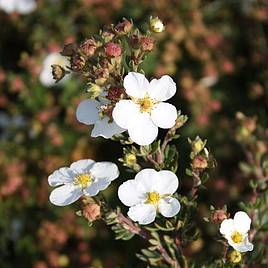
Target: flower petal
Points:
(124, 112)
(242, 221)
(65, 195)
(136, 84)
(164, 115)
(94, 188)
(142, 213)
(142, 130)
(147, 180)
(82, 166)
(107, 171)
(61, 176)
(162, 89)
(87, 112)
(130, 193)
(167, 182)
(227, 226)
(169, 207)
(106, 129)
(242, 247)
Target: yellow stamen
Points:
(146, 104)
(237, 237)
(153, 198)
(83, 180)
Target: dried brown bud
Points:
(91, 211)
(134, 41)
(88, 47)
(77, 62)
(113, 50)
(69, 50)
(217, 216)
(123, 27)
(199, 162)
(101, 74)
(147, 43)
(58, 72)
(115, 93)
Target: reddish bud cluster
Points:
(113, 50)
(115, 93)
(146, 43)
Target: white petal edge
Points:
(164, 115)
(169, 207)
(61, 176)
(242, 221)
(103, 128)
(142, 213)
(130, 193)
(104, 171)
(65, 195)
(147, 180)
(136, 84)
(142, 130)
(87, 112)
(167, 182)
(124, 112)
(162, 89)
(82, 166)
(227, 226)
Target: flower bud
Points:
(94, 90)
(123, 27)
(146, 43)
(77, 62)
(113, 50)
(130, 159)
(101, 74)
(107, 36)
(115, 93)
(91, 211)
(235, 256)
(217, 216)
(88, 47)
(199, 162)
(58, 72)
(156, 25)
(69, 50)
(197, 145)
(134, 41)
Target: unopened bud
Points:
(123, 27)
(94, 90)
(130, 159)
(217, 216)
(156, 25)
(113, 50)
(91, 211)
(134, 41)
(77, 62)
(115, 93)
(146, 43)
(235, 256)
(58, 72)
(107, 36)
(199, 162)
(197, 145)
(88, 47)
(102, 75)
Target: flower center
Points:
(153, 198)
(146, 104)
(83, 180)
(237, 237)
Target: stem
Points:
(130, 226)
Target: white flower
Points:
(146, 111)
(46, 77)
(236, 231)
(83, 177)
(89, 112)
(21, 6)
(148, 193)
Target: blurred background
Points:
(216, 51)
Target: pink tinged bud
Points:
(113, 50)
(91, 212)
(88, 47)
(217, 216)
(146, 43)
(123, 27)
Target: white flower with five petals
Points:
(83, 177)
(149, 192)
(146, 110)
(236, 231)
(89, 112)
(21, 6)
